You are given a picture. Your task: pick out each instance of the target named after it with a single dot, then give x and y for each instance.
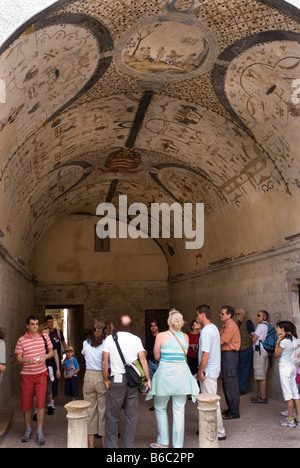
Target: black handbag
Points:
(135, 374)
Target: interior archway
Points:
(102, 99)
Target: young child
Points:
(285, 348)
(71, 369)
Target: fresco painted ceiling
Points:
(180, 100)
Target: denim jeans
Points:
(244, 368)
(178, 407)
(152, 367)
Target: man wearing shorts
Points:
(260, 357)
(32, 350)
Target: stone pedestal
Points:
(208, 425)
(77, 423)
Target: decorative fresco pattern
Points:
(45, 71)
(103, 98)
(259, 90)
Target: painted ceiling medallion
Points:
(170, 47)
(123, 160)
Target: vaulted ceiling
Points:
(183, 100)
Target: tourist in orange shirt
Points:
(230, 340)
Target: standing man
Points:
(260, 357)
(119, 395)
(57, 337)
(246, 351)
(230, 340)
(150, 341)
(209, 354)
(32, 350)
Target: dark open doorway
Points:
(160, 316)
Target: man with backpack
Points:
(264, 341)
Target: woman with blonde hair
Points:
(173, 378)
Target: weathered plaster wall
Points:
(66, 253)
(16, 304)
(130, 278)
(108, 299)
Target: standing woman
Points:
(94, 389)
(173, 378)
(285, 347)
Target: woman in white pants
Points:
(285, 348)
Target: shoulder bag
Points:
(134, 372)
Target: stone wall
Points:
(268, 281)
(16, 304)
(106, 299)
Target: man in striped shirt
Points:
(32, 350)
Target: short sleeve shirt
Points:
(130, 345)
(209, 342)
(31, 348)
(286, 358)
(70, 365)
(93, 355)
(261, 331)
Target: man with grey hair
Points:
(246, 352)
(260, 357)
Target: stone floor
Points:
(257, 427)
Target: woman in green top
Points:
(173, 378)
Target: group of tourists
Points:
(176, 365)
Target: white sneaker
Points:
(286, 423)
(285, 413)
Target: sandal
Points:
(259, 401)
(255, 398)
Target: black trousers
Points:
(230, 383)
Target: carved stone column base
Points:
(208, 426)
(77, 423)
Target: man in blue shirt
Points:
(209, 356)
